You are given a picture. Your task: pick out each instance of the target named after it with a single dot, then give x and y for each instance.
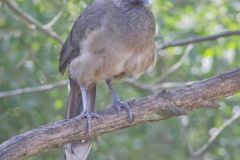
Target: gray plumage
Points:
(112, 39)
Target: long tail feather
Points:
(79, 150)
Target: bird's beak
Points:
(145, 1)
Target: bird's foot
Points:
(118, 105)
(89, 116)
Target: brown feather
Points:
(78, 150)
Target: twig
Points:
(49, 87)
(184, 121)
(151, 88)
(140, 86)
(33, 89)
(50, 24)
(170, 85)
(199, 39)
(177, 65)
(152, 108)
(28, 18)
(216, 133)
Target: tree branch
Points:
(151, 88)
(156, 107)
(54, 20)
(131, 82)
(216, 133)
(48, 87)
(42, 88)
(177, 65)
(29, 19)
(199, 39)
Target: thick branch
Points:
(156, 107)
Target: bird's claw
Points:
(89, 116)
(118, 105)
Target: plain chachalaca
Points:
(111, 39)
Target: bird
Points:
(111, 39)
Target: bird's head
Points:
(137, 1)
(132, 2)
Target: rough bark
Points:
(155, 107)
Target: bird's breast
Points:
(123, 46)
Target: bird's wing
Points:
(89, 21)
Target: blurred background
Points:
(31, 33)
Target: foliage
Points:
(29, 58)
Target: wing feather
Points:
(90, 20)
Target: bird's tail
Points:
(78, 150)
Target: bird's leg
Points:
(117, 103)
(86, 111)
